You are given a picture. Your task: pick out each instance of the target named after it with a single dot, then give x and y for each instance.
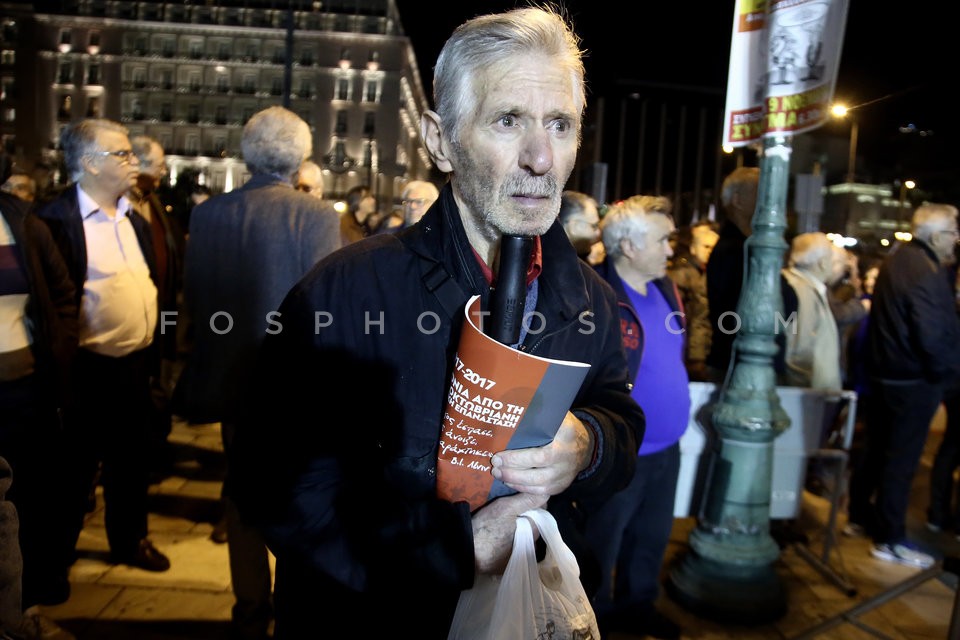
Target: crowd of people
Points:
(265, 310)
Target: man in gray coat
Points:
(247, 248)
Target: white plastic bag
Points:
(530, 601)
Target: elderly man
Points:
(812, 356)
(417, 197)
(246, 249)
(738, 199)
(689, 272)
(630, 533)
(310, 179)
(913, 352)
(168, 247)
(351, 508)
(581, 221)
(110, 258)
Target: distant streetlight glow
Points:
(840, 110)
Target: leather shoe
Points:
(146, 557)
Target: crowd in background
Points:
(101, 281)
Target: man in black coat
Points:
(337, 457)
(913, 352)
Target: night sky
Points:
(901, 56)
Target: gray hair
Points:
(930, 218)
(141, 146)
(486, 40)
(431, 188)
(276, 141)
(809, 248)
(626, 219)
(79, 139)
(741, 179)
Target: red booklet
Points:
(499, 398)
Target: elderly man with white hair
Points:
(247, 248)
(812, 354)
(913, 353)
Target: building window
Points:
(223, 51)
(223, 83)
(166, 112)
(196, 49)
(93, 107)
(192, 144)
(8, 89)
(166, 79)
(10, 30)
(306, 89)
(276, 87)
(65, 41)
(140, 46)
(193, 113)
(9, 143)
(168, 48)
(221, 117)
(341, 126)
(306, 57)
(139, 78)
(343, 88)
(247, 114)
(93, 74)
(371, 90)
(194, 81)
(65, 72)
(369, 124)
(249, 84)
(368, 152)
(8, 56)
(93, 43)
(10, 115)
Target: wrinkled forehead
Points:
(538, 84)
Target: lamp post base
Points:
(750, 595)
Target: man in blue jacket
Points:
(631, 531)
(336, 459)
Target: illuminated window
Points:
(343, 88)
(8, 56)
(10, 114)
(341, 127)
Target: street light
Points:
(841, 111)
(904, 186)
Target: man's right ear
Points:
(431, 129)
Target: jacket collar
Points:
(440, 237)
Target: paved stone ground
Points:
(192, 601)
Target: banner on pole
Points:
(784, 56)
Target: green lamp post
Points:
(728, 573)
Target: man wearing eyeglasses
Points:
(111, 261)
(417, 196)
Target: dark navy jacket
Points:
(336, 459)
(630, 327)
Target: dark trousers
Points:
(898, 422)
(108, 426)
(944, 509)
(31, 440)
(249, 564)
(629, 534)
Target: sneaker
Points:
(854, 530)
(36, 626)
(903, 554)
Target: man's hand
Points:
(547, 470)
(494, 526)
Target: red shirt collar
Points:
(533, 269)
